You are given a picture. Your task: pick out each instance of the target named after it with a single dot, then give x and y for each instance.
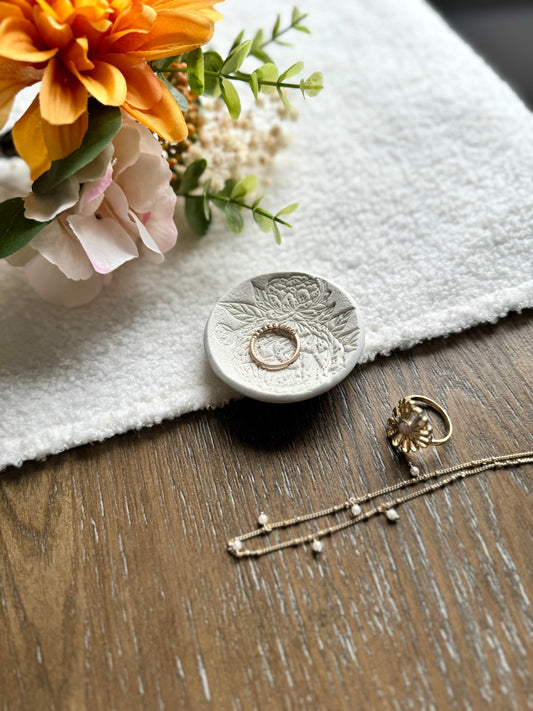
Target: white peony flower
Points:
(117, 208)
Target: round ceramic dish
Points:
(325, 318)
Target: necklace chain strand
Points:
(442, 477)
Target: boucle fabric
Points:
(414, 174)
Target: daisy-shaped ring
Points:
(409, 428)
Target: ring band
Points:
(409, 428)
(275, 328)
(441, 411)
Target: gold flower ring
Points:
(284, 331)
(409, 428)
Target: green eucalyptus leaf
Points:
(275, 29)
(256, 50)
(192, 175)
(284, 100)
(243, 187)
(195, 71)
(261, 55)
(104, 123)
(313, 85)
(234, 218)
(195, 214)
(297, 16)
(287, 210)
(236, 41)
(263, 221)
(217, 202)
(258, 40)
(254, 84)
(231, 98)
(212, 63)
(292, 71)
(277, 233)
(15, 229)
(205, 200)
(236, 57)
(228, 187)
(302, 28)
(176, 93)
(267, 72)
(224, 193)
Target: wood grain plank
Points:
(116, 590)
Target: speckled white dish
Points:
(327, 320)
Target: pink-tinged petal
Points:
(58, 245)
(92, 192)
(133, 182)
(46, 206)
(148, 246)
(105, 241)
(160, 220)
(53, 286)
(116, 206)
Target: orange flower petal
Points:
(165, 117)
(20, 8)
(105, 82)
(188, 5)
(137, 17)
(17, 42)
(29, 140)
(77, 55)
(63, 98)
(144, 88)
(174, 32)
(51, 10)
(13, 78)
(203, 7)
(83, 27)
(53, 32)
(61, 141)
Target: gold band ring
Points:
(284, 331)
(409, 428)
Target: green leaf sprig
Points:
(259, 43)
(231, 200)
(210, 74)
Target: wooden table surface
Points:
(116, 591)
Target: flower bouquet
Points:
(115, 132)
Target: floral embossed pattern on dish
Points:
(324, 316)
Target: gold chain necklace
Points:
(359, 511)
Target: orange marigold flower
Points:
(99, 48)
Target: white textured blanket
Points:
(414, 173)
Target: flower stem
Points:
(246, 77)
(240, 77)
(284, 31)
(265, 213)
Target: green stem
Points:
(246, 78)
(282, 32)
(224, 198)
(241, 77)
